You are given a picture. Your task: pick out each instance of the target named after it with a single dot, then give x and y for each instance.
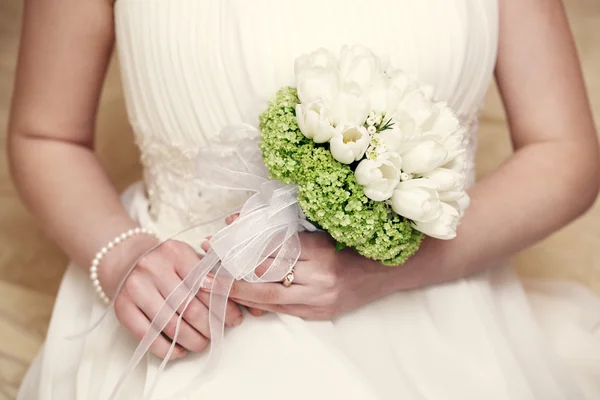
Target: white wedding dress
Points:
(190, 67)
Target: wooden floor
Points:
(31, 266)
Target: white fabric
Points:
(191, 67)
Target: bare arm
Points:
(65, 50)
(554, 174)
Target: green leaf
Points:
(339, 247)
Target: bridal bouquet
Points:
(357, 149)
(376, 162)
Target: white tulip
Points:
(401, 81)
(314, 123)
(451, 195)
(446, 179)
(458, 163)
(427, 91)
(454, 143)
(360, 65)
(417, 200)
(416, 104)
(424, 157)
(443, 227)
(403, 136)
(349, 143)
(384, 97)
(350, 107)
(379, 177)
(320, 58)
(317, 84)
(446, 123)
(406, 124)
(461, 204)
(391, 138)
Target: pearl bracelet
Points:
(100, 255)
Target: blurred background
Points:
(31, 266)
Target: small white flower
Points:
(379, 177)
(372, 153)
(417, 200)
(375, 141)
(349, 143)
(443, 227)
(317, 84)
(405, 177)
(372, 130)
(370, 121)
(350, 106)
(313, 122)
(424, 157)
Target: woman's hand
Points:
(326, 283)
(156, 275)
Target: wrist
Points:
(121, 254)
(413, 273)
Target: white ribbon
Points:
(269, 223)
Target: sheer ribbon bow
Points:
(268, 226)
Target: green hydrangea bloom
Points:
(327, 189)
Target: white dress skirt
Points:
(190, 67)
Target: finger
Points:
(150, 301)
(268, 293)
(275, 308)
(197, 311)
(297, 310)
(205, 245)
(231, 219)
(187, 260)
(134, 320)
(233, 314)
(256, 312)
(304, 271)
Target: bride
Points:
(454, 322)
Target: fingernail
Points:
(207, 283)
(238, 321)
(180, 354)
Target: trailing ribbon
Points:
(267, 226)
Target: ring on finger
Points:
(289, 279)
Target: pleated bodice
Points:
(190, 67)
